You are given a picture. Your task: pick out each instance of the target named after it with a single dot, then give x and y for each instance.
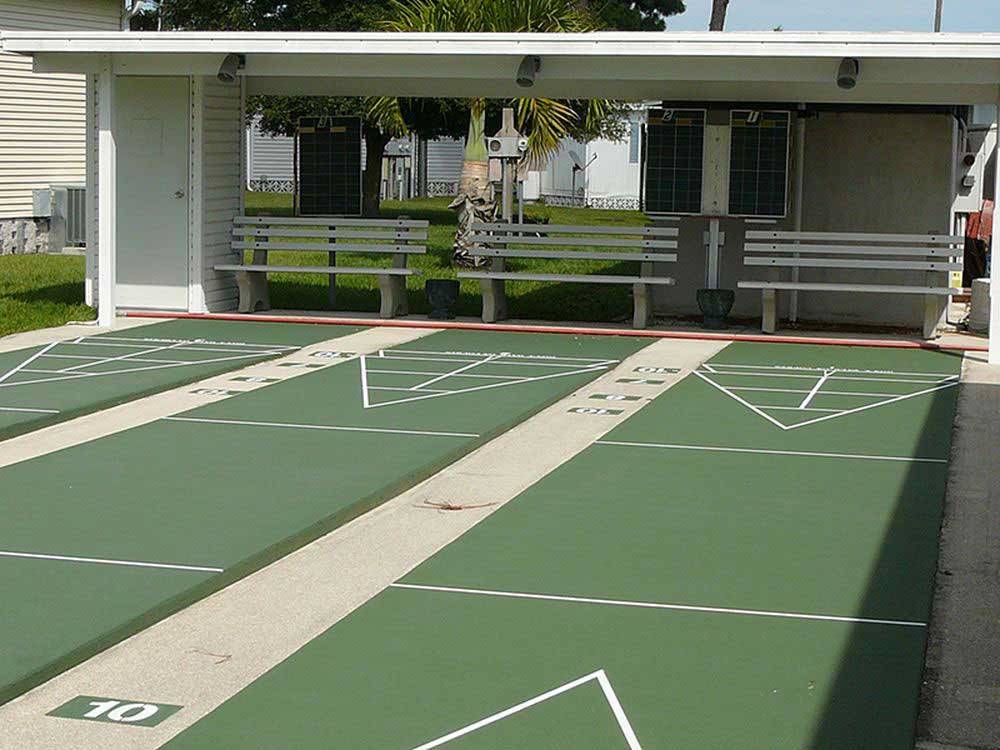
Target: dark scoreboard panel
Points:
(329, 166)
(675, 141)
(758, 163)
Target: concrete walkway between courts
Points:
(205, 654)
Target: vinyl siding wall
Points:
(221, 186)
(269, 158)
(42, 117)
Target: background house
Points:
(44, 121)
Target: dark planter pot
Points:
(715, 305)
(442, 294)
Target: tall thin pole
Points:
(937, 15)
(994, 353)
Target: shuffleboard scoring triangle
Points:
(400, 376)
(791, 396)
(629, 739)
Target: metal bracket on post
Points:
(714, 240)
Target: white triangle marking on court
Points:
(599, 676)
(421, 391)
(939, 382)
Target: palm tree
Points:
(717, 22)
(545, 121)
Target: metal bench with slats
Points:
(932, 254)
(329, 234)
(499, 241)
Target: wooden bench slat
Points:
(356, 270)
(575, 278)
(320, 247)
(357, 234)
(760, 247)
(571, 228)
(329, 221)
(897, 265)
(804, 286)
(494, 239)
(840, 237)
(506, 252)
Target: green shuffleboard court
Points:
(66, 379)
(746, 563)
(104, 538)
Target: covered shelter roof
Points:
(896, 68)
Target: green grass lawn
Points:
(527, 299)
(39, 291)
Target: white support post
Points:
(107, 178)
(994, 355)
(800, 179)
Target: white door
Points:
(152, 134)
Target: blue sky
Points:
(844, 15)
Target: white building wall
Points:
(444, 165)
(556, 181)
(220, 197)
(42, 117)
(270, 160)
(614, 174)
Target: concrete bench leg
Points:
(640, 297)
(393, 291)
(254, 295)
(769, 310)
(494, 300)
(934, 307)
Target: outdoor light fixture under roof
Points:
(230, 65)
(848, 72)
(527, 70)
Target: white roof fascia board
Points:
(634, 44)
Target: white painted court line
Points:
(413, 389)
(509, 355)
(572, 366)
(599, 676)
(452, 375)
(141, 352)
(816, 388)
(79, 375)
(803, 368)
(514, 363)
(106, 561)
(807, 454)
(753, 389)
(798, 408)
(331, 428)
(27, 362)
(708, 373)
(144, 341)
(743, 401)
(810, 376)
(446, 375)
(659, 605)
(29, 411)
(879, 403)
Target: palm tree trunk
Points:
(371, 178)
(475, 166)
(718, 20)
